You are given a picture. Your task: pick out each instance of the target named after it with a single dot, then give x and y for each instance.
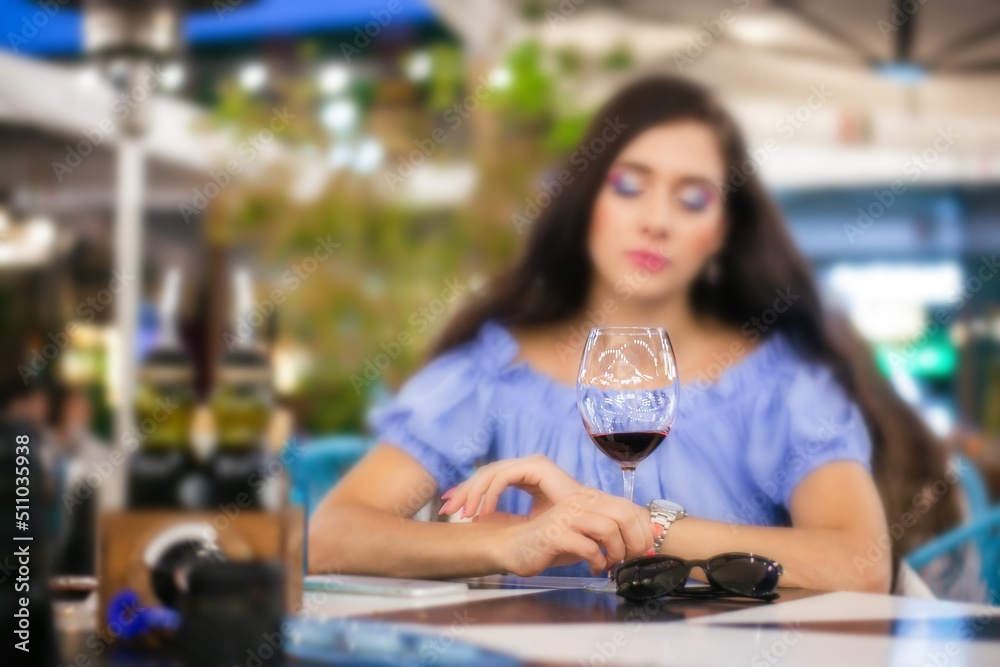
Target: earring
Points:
(712, 271)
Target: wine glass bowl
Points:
(627, 391)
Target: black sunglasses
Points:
(731, 574)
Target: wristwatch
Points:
(664, 512)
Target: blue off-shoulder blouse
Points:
(738, 449)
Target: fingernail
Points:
(651, 552)
(657, 529)
(444, 508)
(447, 494)
(462, 515)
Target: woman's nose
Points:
(656, 217)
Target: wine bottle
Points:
(163, 471)
(241, 407)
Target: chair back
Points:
(319, 463)
(981, 531)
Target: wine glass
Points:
(627, 391)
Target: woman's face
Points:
(659, 216)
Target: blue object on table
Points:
(982, 530)
(124, 612)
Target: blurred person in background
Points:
(22, 416)
(77, 459)
(27, 402)
(26, 406)
(788, 442)
(70, 417)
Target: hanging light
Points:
(338, 115)
(39, 233)
(368, 156)
(253, 76)
(500, 77)
(419, 67)
(333, 78)
(172, 76)
(339, 156)
(27, 243)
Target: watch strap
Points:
(664, 516)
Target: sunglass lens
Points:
(650, 577)
(744, 574)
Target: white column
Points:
(130, 180)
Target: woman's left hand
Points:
(536, 474)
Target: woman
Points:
(777, 443)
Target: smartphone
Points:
(413, 588)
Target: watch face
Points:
(668, 505)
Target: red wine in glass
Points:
(629, 448)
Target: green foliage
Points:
(619, 58)
(566, 133)
(533, 10)
(447, 77)
(532, 89)
(569, 61)
(374, 296)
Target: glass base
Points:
(606, 586)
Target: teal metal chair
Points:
(982, 530)
(314, 466)
(319, 463)
(975, 488)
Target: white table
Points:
(853, 629)
(555, 622)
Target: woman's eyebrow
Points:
(637, 166)
(696, 180)
(646, 169)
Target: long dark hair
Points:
(551, 279)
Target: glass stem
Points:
(628, 476)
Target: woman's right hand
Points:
(577, 528)
(537, 474)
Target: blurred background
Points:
(326, 182)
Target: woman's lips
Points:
(646, 259)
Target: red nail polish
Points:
(651, 552)
(657, 529)
(462, 515)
